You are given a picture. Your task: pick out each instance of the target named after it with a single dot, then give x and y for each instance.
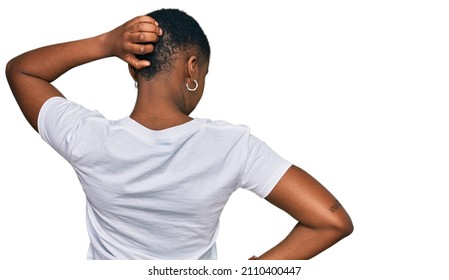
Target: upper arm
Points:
(30, 92)
(306, 200)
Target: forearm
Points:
(304, 243)
(50, 62)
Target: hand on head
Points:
(134, 37)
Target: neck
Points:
(159, 106)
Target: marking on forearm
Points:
(335, 206)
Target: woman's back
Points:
(160, 193)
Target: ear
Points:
(132, 72)
(192, 67)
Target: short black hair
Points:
(181, 32)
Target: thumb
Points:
(136, 63)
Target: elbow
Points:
(10, 69)
(14, 73)
(342, 227)
(347, 228)
(336, 227)
(14, 68)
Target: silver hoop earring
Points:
(136, 84)
(192, 89)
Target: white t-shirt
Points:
(156, 194)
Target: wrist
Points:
(105, 44)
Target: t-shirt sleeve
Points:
(58, 122)
(264, 168)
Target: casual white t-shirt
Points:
(156, 194)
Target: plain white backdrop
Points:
(354, 92)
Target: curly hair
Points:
(181, 33)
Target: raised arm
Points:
(30, 74)
(322, 220)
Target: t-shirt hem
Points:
(275, 178)
(42, 114)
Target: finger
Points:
(147, 24)
(139, 48)
(141, 64)
(142, 37)
(144, 18)
(135, 62)
(144, 27)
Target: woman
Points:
(156, 182)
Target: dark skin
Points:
(164, 102)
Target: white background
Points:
(355, 92)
